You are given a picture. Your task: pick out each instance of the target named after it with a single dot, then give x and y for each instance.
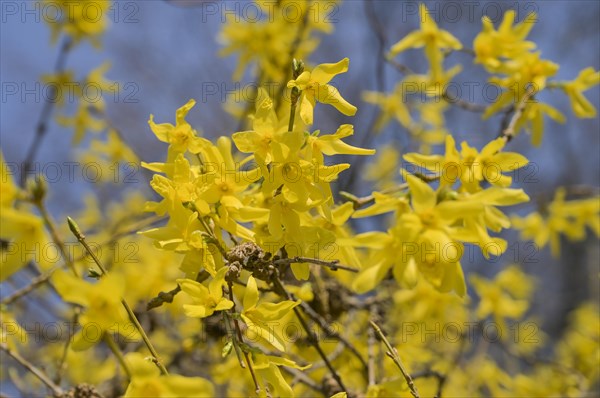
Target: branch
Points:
(333, 265)
(240, 338)
(81, 238)
(466, 105)
(509, 132)
(312, 338)
(56, 390)
(312, 314)
(45, 277)
(393, 353)
(42, 125)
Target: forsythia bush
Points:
(249, 278)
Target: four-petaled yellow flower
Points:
(181, 137)
(207, 300)
(314, 86)
(432, 38)
(104, 311)
(262, 319)
(586, 79)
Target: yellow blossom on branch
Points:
(314, 87)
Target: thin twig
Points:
(509, 132)
(393, 353)
(42, 125)
(333, 265)
(405, 70)
(312, 338)
(50, 225)
(108, 339)
(466, 105)
(62, 366)
(56, 390)
(371, 350)
(240, 338)
(45, 277)
(81, 238)
(312, 314)
(379, 32)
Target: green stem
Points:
(118, 354)
(292, 115)
(50, 225)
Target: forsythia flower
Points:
(267, 368)
(22, 233)
(392, 105)
(85, 19)
(432, 38)
(492, 46)
(146, 381)
(471, 167)
(103, 309)
(267, 131)
(314, 86)
(505, 297)
(569, 218)
(181, 137)
(586, 79)
(207, 300)
(258, 316)
(85, 119)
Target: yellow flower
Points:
(63, 82)
(432, 38)
(470, 166)
(85, 119)
(261, 318)
(207, 300)
(146, 381)
(392, 105)
(489, 164)
(111, 151)
(332, 144)
(493, 46)
(505, 297)
(586, 79)
(314, 86)
(23, 235)
(10, 330)
(569, 218)
(267, 369)
(384, 169)
(86, 19)
(181, 137)
(268, 130)
(104, 311)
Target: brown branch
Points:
(240, 338)
(393, 354)
(508, 132)
(312, 338)
(42, 125)
(466, 105)
(56, 390)
(312, 314)
(333, 265)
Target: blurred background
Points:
(163, 53)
